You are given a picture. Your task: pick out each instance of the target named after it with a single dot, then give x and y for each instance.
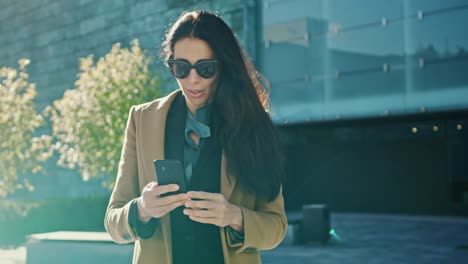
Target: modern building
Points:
(372, 97)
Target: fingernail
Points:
(185, 212)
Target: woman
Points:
(217, 126)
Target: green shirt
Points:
(199, 124)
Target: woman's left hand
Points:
(213, 208)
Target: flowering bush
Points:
(20, 151)
(88, 122)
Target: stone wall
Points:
(54, 34)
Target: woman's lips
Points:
(195, 93)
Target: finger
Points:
(163, 210)
(200, 213)
(162, 189)
(169, 208)
(206, 196)
(201, 204)
(204, 220)
(150, 186)
(162, 201)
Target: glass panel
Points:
(296, 100)
(391, 57)
(294, 67)
(280, 11)
(365, 84)
(439, 49)
(365, 48)
(368, 47)
(375, 70)
(284, 61)
(432, 6)
(359, 13)
(292, 89)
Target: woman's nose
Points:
(193, 76)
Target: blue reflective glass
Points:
(389, 57)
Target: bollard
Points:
(315, 225)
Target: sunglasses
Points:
(181, 68)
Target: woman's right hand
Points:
(150, 204)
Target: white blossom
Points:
(88, 122)
(20, 151)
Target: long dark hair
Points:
(242, 126)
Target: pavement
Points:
(383, 239)
(364, 238)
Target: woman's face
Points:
(197, 90)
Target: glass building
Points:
(332, 59)
(372, 100)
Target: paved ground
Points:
(379, 239)
(384, 239)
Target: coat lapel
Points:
(152, 125)
(152, 128)
(175, 130)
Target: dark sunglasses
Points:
(181, 68)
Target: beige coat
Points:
(264, 222)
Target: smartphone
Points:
(170, 172)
